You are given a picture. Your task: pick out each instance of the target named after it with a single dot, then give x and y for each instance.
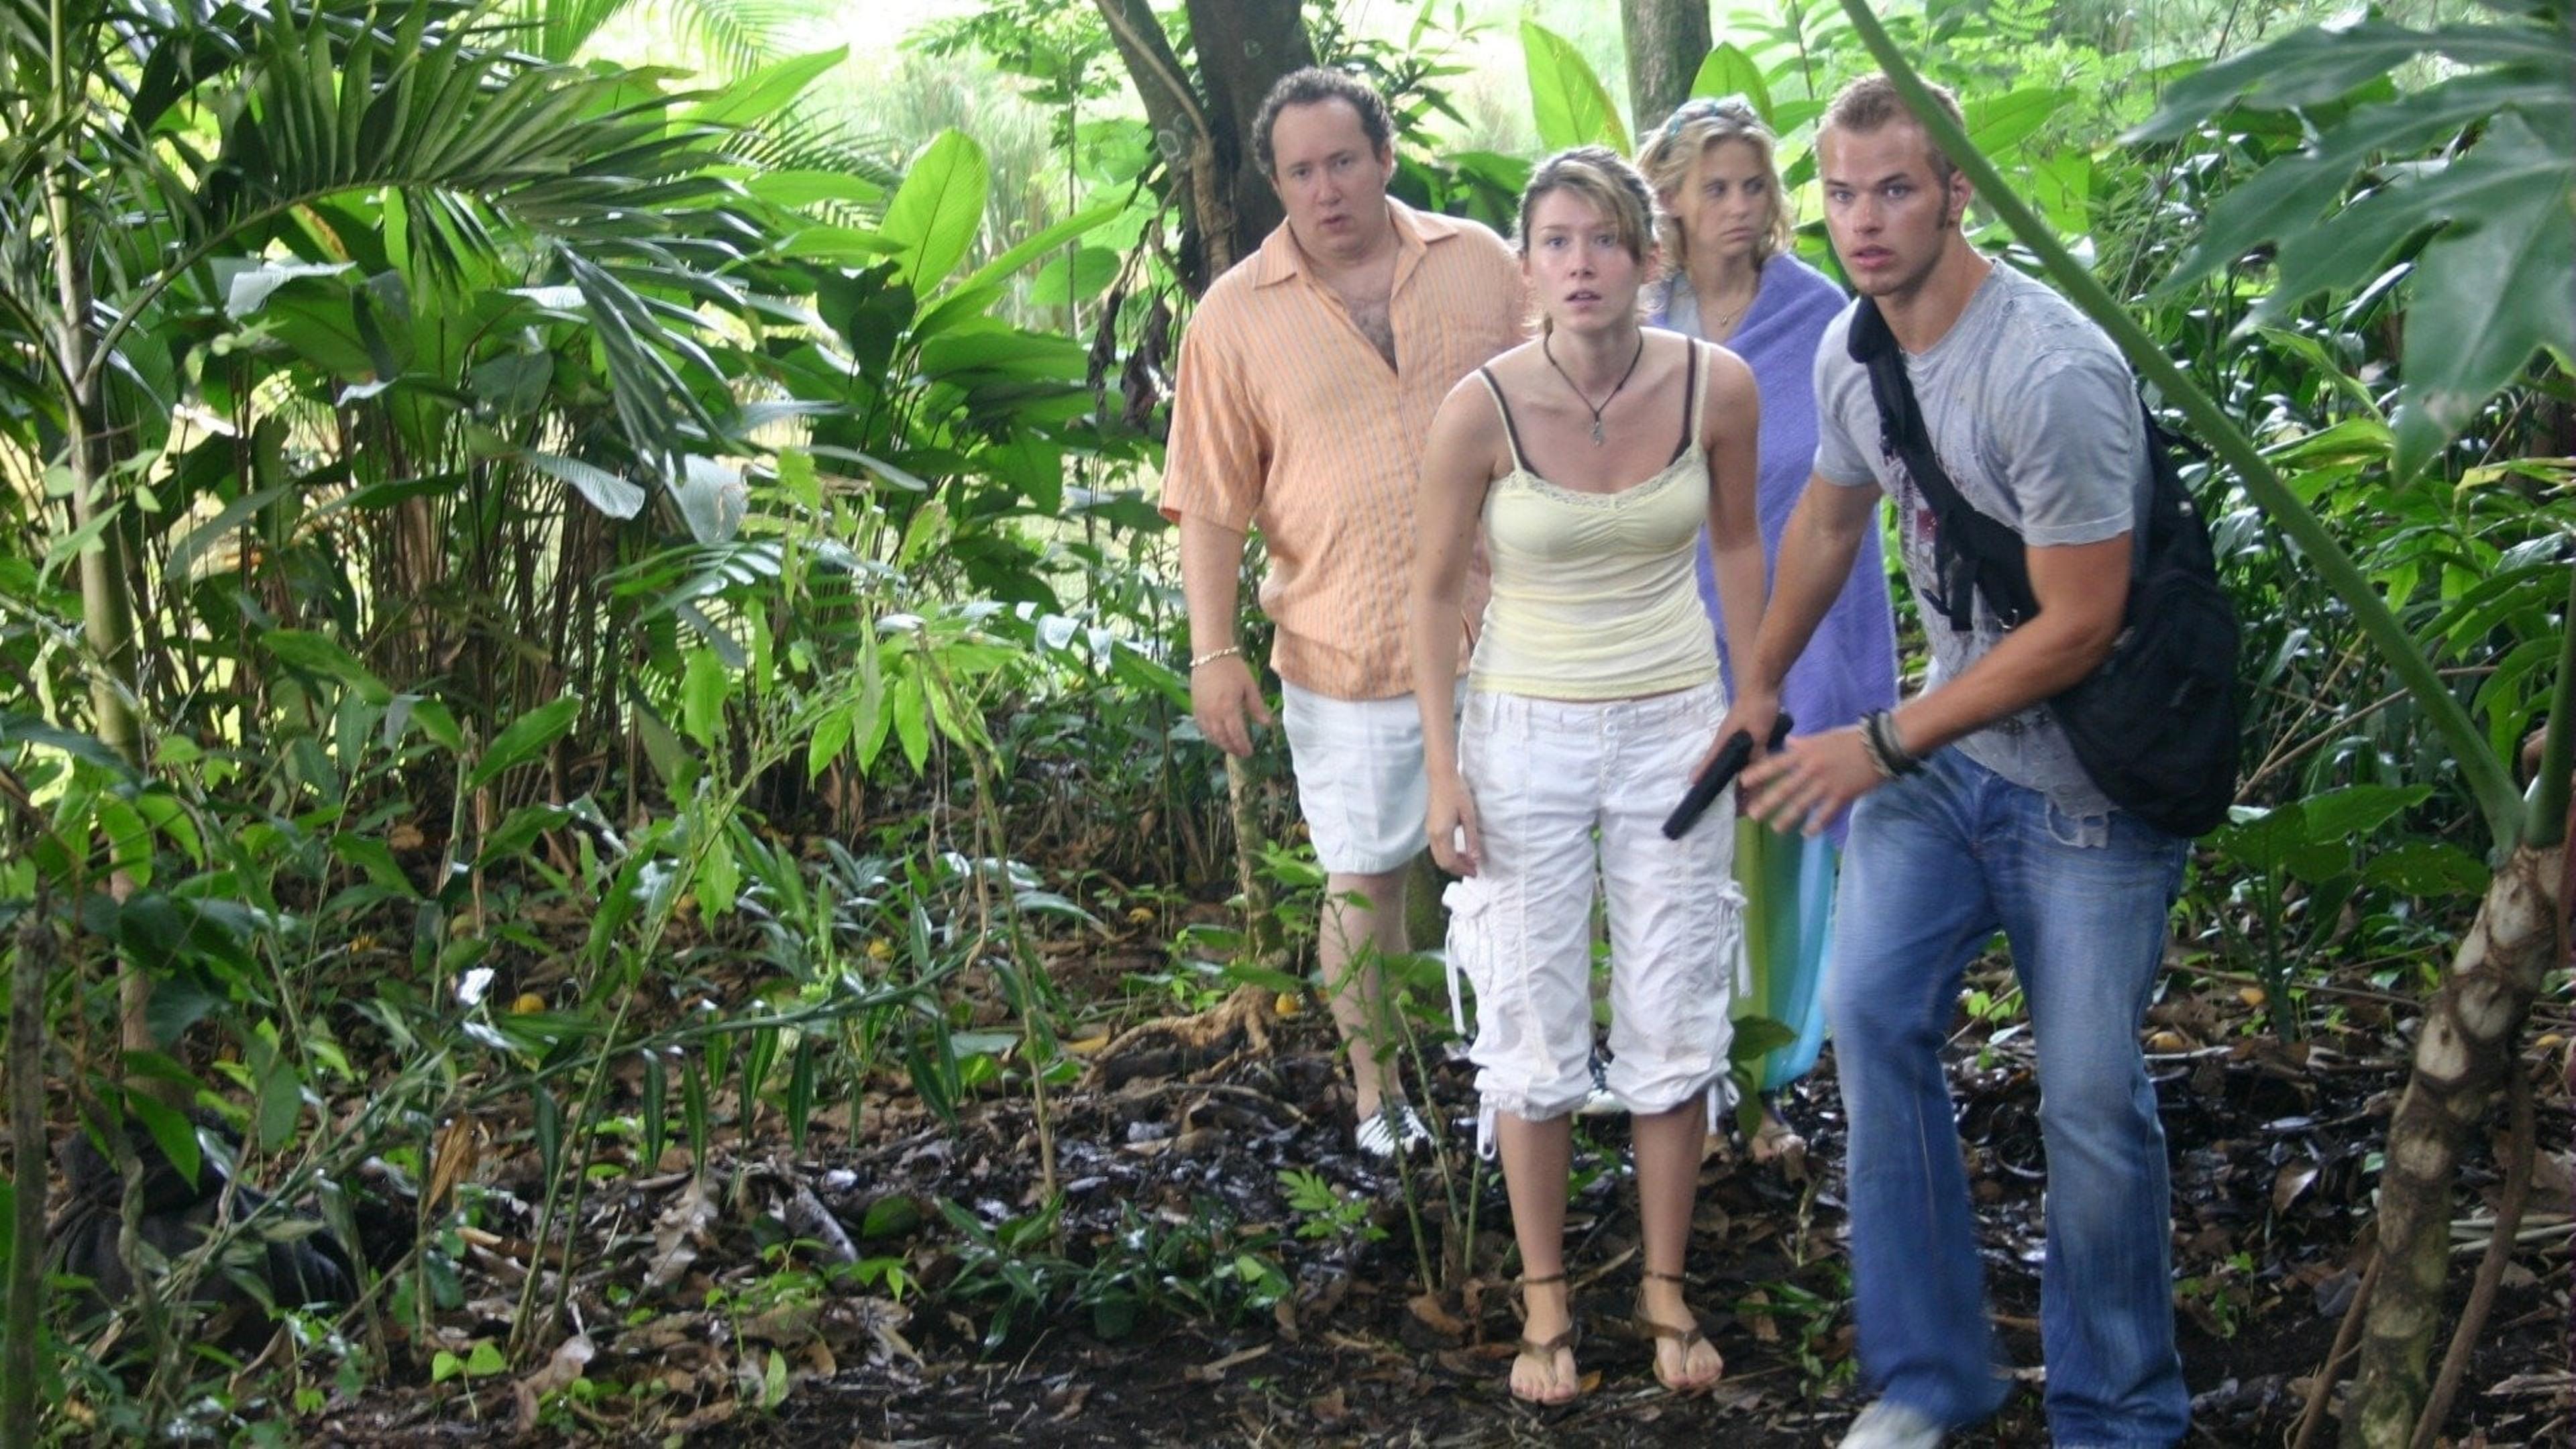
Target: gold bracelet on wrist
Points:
(1231, 651)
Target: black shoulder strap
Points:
(1690, 405)
(1511, 430)
(1976, 554)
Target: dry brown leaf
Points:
(1764, 1330)
(1435, 1315)
(2553, 1182)
(707, 1416)
(452, 1161)
(679, 1232)
(666, 1332)
(570, 1356)
(1208, 1373)
(2293, 1179)
(784, 1324)
(883, 1318)
(1067, 1402)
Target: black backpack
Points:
(2157, 724)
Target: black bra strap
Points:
(1510, 428)
(1690, 404)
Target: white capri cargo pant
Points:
(1567, 792)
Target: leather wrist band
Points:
(1231, 651)
(1886, 752)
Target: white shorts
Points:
(1360, 782)
(1564, 792)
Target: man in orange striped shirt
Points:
(1308, 380)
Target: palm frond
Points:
(738, 36)
(495, 155)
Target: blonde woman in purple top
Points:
(1733, 278)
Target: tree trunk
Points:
(1243, 47)
(107, 610)
(1667, 40)
(2466, 1048)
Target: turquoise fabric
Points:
(1788, 884)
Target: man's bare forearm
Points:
(1211, 565)
(2082, 592)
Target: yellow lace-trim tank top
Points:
(1594, 593)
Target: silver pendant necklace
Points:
(1596, 411)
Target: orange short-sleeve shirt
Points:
(1285, 418)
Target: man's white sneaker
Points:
(1598, 1102)
(1886, 1425)
(1397, 1123)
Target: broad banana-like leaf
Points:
(1567, 100)
(935, 214)
(1728, 71)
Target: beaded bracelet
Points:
(1231, 651)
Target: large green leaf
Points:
(1728, 71)
(2490, 292)
(2296, 190)
(610, 494)
(320, 654)
(1042, 242)
(1568, 101)
(1999, 123)
(525, 738)
(27, 729)
(935, 214)
(2322, 63)
(768, 91)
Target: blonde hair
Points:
(1694, 126)
(1604, 178)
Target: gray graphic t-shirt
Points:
(2031, 410)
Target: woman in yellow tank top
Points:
(1592, 458)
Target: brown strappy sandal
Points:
(1546, 1350)
(1659, 1333)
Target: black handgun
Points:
(1713, 780)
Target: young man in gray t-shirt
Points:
(1970, 815)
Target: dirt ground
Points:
(1171, 1185)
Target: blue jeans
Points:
(1937, 863)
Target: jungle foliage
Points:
(546, 605)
